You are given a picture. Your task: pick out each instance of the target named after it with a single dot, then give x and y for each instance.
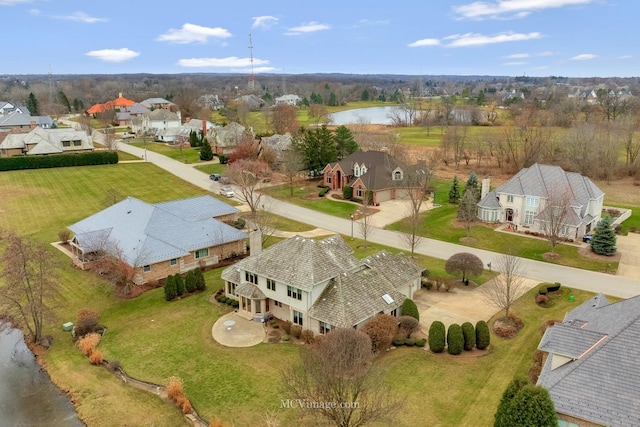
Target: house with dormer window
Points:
(591, 368)
(374, 171)
(319, 284)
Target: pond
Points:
(369, 116)
(27, 395)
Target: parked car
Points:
(227, 192)
(128, 136)
(587, 238)
(214, 177)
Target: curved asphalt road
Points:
(537, 270)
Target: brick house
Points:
(319, 284)
(160, 239)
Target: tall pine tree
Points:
(604, 239)
(206, 153)
(472, 184)
(454, 192)
(345, 143)
(32, 104)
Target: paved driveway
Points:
(629, 247)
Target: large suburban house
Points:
(290, 99)
(18, 119)
(118, 104)
(225, 139)
(592, 369)
(160, 239)
(45, 141)
(522, 200)
(374, 171)
(319, 284)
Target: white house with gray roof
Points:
(592, 370)
(160, 239)
(520, 200)
(41, 141)
(319, 284)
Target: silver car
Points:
(227, 192)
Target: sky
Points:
(570, 38)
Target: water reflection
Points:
(27, 395)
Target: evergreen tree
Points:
(64, 101)
(503, 413)
(532, 407)
(206, 153)
(194, 139)
(604, 238)
(190, 281)
(454, 192)
(345, 143)
(200, 282)
(32, 104)
(317, 147)
(78, 105)
(169, 288)
(472, 184)
(179, 281)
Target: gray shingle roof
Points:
(146, 233)
(249, 290)
(601, 385)
(309, 262)
(490, 201)
(48, 141)
(396, 268)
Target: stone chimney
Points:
(486, 187)
(255, 242)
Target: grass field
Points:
(184, 155)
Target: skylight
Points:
(387, 298)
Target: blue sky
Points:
(573, 38)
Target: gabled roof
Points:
(162, 114)
(48, 141)
(150, 102)
(308, 262)
(145, 234)
(17, 118)
(351, 298)
(490, 201)
(137, 109)
(593, 372)
(396, 268)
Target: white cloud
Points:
(13, 2)
(113, 55)
(502, 9)
(470, 39)
(82, 17)
(518, 55)
(264, 22)
(256, 70)
(546, 53)
(625, 57)
(514, 63)
(311, 27)
(34, 11)
(584, 57)
(370, 23)
(191, 33)
(231, 61)
(425, 42)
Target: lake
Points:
(27, 395)
(369, 116)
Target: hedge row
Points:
(458, 338)
(58, 160)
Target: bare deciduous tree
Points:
(30, 285)
(554, 215)
(365, 224)
(292, 164)
(415, 183)
(247, 175)
(318, 113)
(337, 381)
(506, 288)
(467, 210)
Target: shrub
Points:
(455, 339)
(174, 388)
(64, 235)
(223, 159)
(409, 308)
(420, 343)
(469, 335)
(88, 343)
(285, 337)
(183, 404)
(408, 324)
(483, 336)
(235, 303)
(398, 342)
(437, 337)
(86, 323)
(58, 160)
(347, 192)
(239, 223)
(381, 329)
(323, 191)
(296, 331)
(553, 288)
(190, 281)
(410, 342)
(201, 283)
(542, 299)
(542, 290)
(95, 358)
(179, 284)
(169, 288)
(286, 326)
(307, 336)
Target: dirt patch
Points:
(468, 240)
(587, 253)
(551, 256)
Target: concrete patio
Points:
(240, 333)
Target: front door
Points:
(509, 215)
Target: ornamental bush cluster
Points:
(458, 338)
(175, 393)
(229, 301)
(176, 285)
(88, 346)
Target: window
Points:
(325, 328)
(397, 176)
(564, 231)
(359, 192)
(356, 171)
(509, 198)
(173, 262)
(277, 303)
(146, 268)
(297, 317)
(251, 278)
(201, 253)
(66, 143)
(533, 201)
(76, 143)
(394, 312)
(563, 423)
(231, 288)
(328, 179)
(528, 217)
(271, 284)
(294, 293)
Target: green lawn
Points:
(306, 194)
(184, 155)
(212, 168)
